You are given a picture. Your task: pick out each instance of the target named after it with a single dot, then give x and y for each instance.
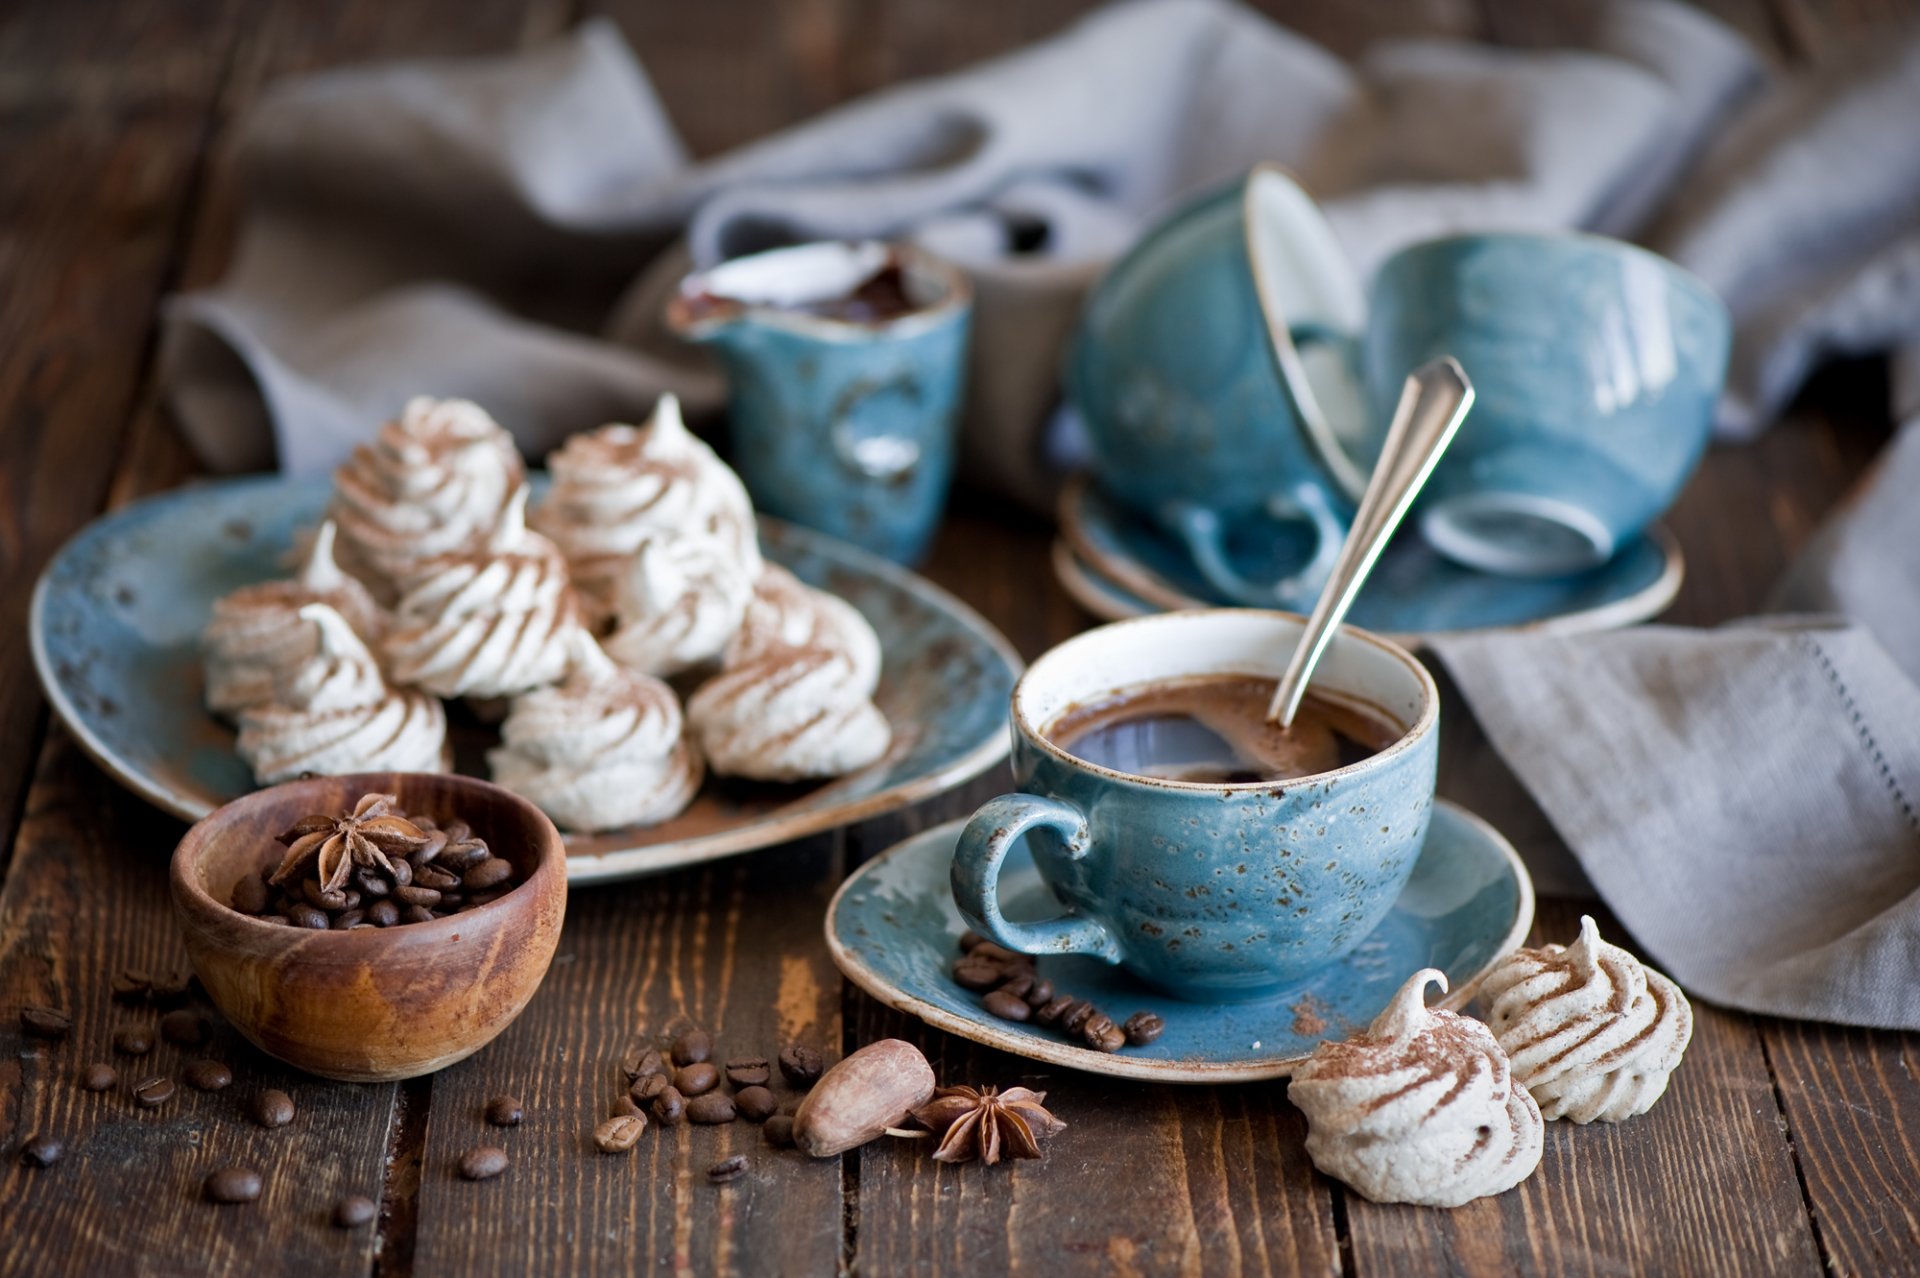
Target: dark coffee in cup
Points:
(1213, 730)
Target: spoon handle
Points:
(1432, 404)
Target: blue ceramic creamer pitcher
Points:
(845, 362)
(1215, 369)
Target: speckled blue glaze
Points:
(118, 613)
(1212, 893)
(843, 426)
(1413, 590)
(894, 930)
(1595, 364)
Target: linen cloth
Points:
(506, 230)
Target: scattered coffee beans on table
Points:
(728, 1169)
(711, 1108)
(692, 1048)
(373, 867)
(620, 1134)
(271, 1108)
(749, 1071)
(697, 1079)
(505, 1111)
(482, 1162)
(41, 1151)
(153, 1092)
(779, 1131)
(206, 1076)
(131, 1040)
(756, 1104)
(48, 1024)
(131, 985)
(801, 1065)
(100, 1078)
(353, 1211)
(232, 1185)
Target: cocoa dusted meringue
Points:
(487, 622)
(257, 635)
(1592, 1031)
(1422, 1108)
(677, 602)
(785, 612)
(605, 748)
(620, 487)
(334, 714)
(433, 482)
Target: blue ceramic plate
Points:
(1122, 566)
(893, 930)
(117, 615)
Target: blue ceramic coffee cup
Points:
(1596, 367)
(1214, 368)
(1215, 893)
(845, 362)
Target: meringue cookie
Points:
(490, 622)
(1592, 1031)
(257, 635)
(620, 486)
(786, 612)
(1422, 1108)
(431, 483)
(677, 602)
(604, 749)
(789, 714)
(334, 714)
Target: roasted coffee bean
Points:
(714, 1107)
(1039, 994)
(749, 1071)
(417, 914)
(436, 877)
(978, 974)
(170, 989)
(185, 1027)
(756, 1104)
(99, 1078)
(207, 1076)
(48, 1023)
(1142, 1028)
(436, 844)
(131, 1040)
(483, 1162)
(1050, 1012)
(347, 920)
(250, 895)
(153, 1092)
(491, 872)
(271, 1108)
(505, 1111)
(669, 1107)
(618, 1135)
(414, 894)
(383, 913)
(131, 985)
(451, 902)
(623, 1106)
(696, 1079)
(728, 1169)
(1102, 1035)
(373, 883)
(353, 1211)
(779, 1130)
(648, 1086)
(1008, 1007)
(969, 939)
(331, 902)
(304, 915)
(641, 1063)
(1019, 986)
(41, 1151)
(1009, 959)
(1075, 1018)
(402, 873)
(232, 1185)
(801, 1064)
(692, 1048)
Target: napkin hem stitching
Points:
(1864, 732)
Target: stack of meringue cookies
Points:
(430, 579)
(1436, 1108)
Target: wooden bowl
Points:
(371, 1005)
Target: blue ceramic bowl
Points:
(1596, 367)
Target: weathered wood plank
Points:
(1704, 1183)
(734, 949)
(87, 897)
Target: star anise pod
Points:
(371, 835)
(988, 1124)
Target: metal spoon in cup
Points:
(1432, 404)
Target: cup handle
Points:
(982, 850)
(1203, 533)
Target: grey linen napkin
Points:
(460, 227)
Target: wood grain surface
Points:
(1782, 1147)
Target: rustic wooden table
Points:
(1783, 1147)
